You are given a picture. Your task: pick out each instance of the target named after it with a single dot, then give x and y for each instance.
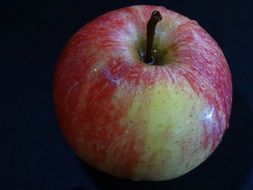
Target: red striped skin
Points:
(103, 57)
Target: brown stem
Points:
(154, 19)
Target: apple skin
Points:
(140, 121)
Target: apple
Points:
(143, 93)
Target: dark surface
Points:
(34, 155)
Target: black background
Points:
(34, 155)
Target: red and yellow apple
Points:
(138, 120)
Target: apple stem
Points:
(151, 25)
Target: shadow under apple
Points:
(227, 168)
